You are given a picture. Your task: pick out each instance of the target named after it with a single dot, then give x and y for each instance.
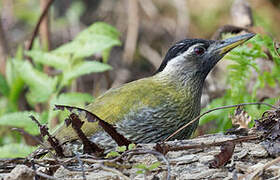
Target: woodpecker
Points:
(151, 109)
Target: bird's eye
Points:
(199, 50)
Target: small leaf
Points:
(121, 148)
(83, 68)
(141, 166)
(131, 146)
(4, 87)
(112, 154)
(15, 150)
(154, 165)
(20, 120)
(140, 172)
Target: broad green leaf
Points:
(41, 86)
(20, 120)
(71, 99)
(95, 39)
(15, 150)
(51, 59)
(83, 68)
(4, 87)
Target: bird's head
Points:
(196, 57)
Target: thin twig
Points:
(167, 148)
(218, 108)
(4, 49)
(36, 29)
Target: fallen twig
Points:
(164, 148)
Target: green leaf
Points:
(20, 120)
(15, 90)
(41, 86)
(154, 165)
(131, 146)
(106, 54)
(72, 99)
(83, 68)
(140, 172)
(141, 166)
(95, 39)
(121, 148)
(4, 87)
(15, 150)
(50, 59)
(112, 154)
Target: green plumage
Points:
(161, 105)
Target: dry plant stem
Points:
(35, 139)
(211, 110)
(44, 31)
(53, 141)
(4, 50)
(132, 31)
(89, 147)
(36, 29)
(107, 127)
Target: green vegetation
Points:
(69, 62)
(144, 169)
(239, 75)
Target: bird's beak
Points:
(224, 46)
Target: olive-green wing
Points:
(114, 104)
